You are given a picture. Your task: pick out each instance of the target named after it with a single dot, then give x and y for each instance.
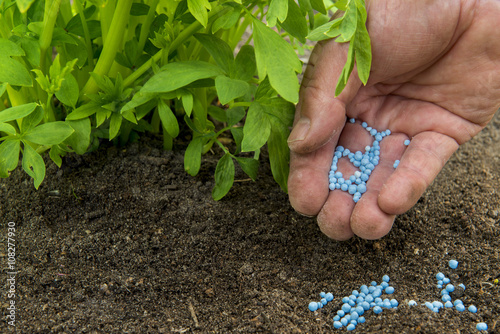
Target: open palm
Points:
(435, 79)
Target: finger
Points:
(368, 220)
(320, 115)
(420, 164)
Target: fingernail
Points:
(300, 130)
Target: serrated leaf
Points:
(198, 8)
(52, 133)
(11, 70)
(277, 59)
(69, 91)
(9, 156)
(80, 138)
(179, 74)
(224, 177)
(256, 129)
(168, 119)
(249, 165)
(219, 50)
(278, 11)
(192, 156)
(13, 113)
(33, 165)
(229, 89)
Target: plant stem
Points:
(113, 40)
(180, 39)
(90, 54)
(147, 25)
(106, 14)
(49, 20)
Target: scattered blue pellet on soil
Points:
(482, 326)
(453, 264)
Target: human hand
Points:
(435, 79)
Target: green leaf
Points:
(349, 23)
(363, 54)
(13, 113)
(192, 156)
(11, 70)
(129, 116)
(279, 155)
(226, 21)
(229, 89)
(55, 155)
(69, 91)
(256, 129)
(52, 133)
(32, 120)
(245, 66)
(139, 9)
(33, 165)
(179, 74)
(249, 165)
(234, 115)
(277, 59)
(84, 111)
(187, 102)
(319, 5)
(278, 110)
(24, 5)
(80, 138)
(115, 123)
(3, 87)
(224, 177)
(7, 128)
(75, 26)
(322, 32)
(9, 156)
(219, 50)
(168, 119)
(138, 99)
(346, 70)
(31, 47)
(295, 23)
(199, 10)
(278, 10)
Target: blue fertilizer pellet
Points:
(346, 307)
(351, 327)
(313, 306)
(439, 277)
(412, 303)
(453, 264)
(448, 304)
(462, 286)
(407, 142)
(457, 301)
(329, 297)
(389, 290)
(396, 164)
(460, 307)
(352, 120)
(377, 309)
(337, 324)
(322, 294)
(450, 287)
(386, 278)
(481, 326)
(429, 305)
(446, 298)
(344, 321)
(323, 301)
(472, 309)
(446, 280)
(394, 303)
(336, 318)
(361, 320)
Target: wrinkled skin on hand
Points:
(435, 79)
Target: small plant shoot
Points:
(222, 73)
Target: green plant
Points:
(73, 73)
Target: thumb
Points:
(319, 114)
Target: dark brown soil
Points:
(124, 241)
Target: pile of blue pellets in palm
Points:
(374, 299)
(366, 161)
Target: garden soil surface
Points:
(123, 240)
